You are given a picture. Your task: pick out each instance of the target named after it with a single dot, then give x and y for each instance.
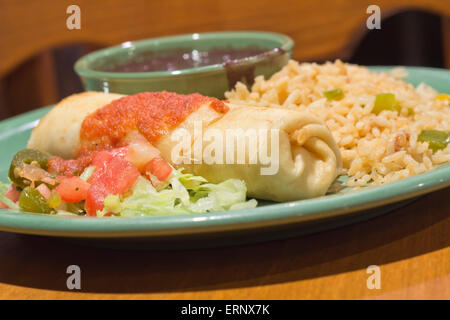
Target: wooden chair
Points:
(28, 29)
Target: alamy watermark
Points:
(229, 146)
(374, 20)
(74, 280)
(374, 280)
(74, 20)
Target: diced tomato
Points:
(113, 175)
(121, 175)
(72, 189)
(44, 190)
(119, 152)
(12, 193)
(95, 197)
(159, 167)
(101, 158)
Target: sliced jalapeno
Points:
(26, 156)
(31, 200)
(75, 207)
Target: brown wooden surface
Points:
(33, 84)
(446, 42)
(411, 246)
(320, 29)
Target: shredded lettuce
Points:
(4, 199)
(184, 194)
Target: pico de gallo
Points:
(128, 181)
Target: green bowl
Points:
(211, 80)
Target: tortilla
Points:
(306, 155)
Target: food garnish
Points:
(436, 139)
(336, 94)
(385, 101)
(112, 185)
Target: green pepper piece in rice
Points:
(436, 139)
(385, 101)
(336, 94)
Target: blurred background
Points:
(37, 51)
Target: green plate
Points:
(266, 222)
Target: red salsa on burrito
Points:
(152, 114)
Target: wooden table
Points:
(410, 245)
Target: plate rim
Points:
(295, 211)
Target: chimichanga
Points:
(194, 132)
